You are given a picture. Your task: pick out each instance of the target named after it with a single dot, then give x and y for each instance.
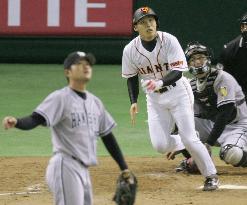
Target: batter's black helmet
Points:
(142, 12)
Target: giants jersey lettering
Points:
(166, 56)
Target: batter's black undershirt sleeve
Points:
(226, 114)
(30, 122)
(114, 150)
(133, 88)
(171, 77)
(185, 153)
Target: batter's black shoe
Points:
(211, 183)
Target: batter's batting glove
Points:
(126, 189)
(151, 85)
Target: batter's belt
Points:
(166, 88)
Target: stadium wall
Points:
(210, 22)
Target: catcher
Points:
(220, 110)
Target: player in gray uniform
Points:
(220, 107)
(76, 118)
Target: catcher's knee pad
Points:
(233, 155)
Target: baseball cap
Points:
(243, 19)
(75, 57)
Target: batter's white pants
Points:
(176, 106)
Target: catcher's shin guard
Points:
(234, 155)
(243, 161)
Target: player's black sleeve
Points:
(30, 122)
(226, 114)
(114, 150)
(133, 88)
(171, 77)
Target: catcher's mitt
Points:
(126, 189)
(188, 166)
(192, 167)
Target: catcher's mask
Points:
(194, 48)
(142, 12)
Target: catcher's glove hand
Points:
(126, 188)
(188, 166)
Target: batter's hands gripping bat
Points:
(149, 86)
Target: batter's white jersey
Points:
(174, 105)
(166, 56)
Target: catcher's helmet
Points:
(142, 12)
(194, 48)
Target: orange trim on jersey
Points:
(177, 63)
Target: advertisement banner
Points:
(66, 17)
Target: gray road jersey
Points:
(76, 123)
(227, 90)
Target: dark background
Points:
(211, 22)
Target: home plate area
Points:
(229, 186)
(22, 182)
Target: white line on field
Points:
(20, 193)
(33, 189)
(229, 186)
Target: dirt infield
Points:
(158, 183)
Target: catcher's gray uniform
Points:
(75, 124)
(219, 89)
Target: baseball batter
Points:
(158, 60)
(76, 118)
(220, 107)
